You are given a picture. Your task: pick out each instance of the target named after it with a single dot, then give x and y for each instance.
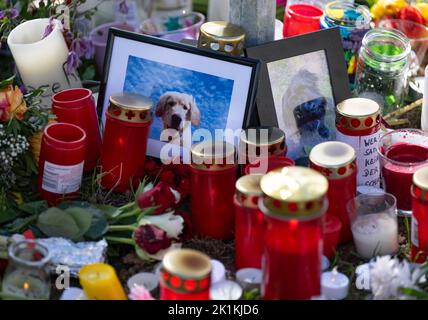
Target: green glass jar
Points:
(383, 66)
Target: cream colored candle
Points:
(41, 61)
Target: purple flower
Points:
(2, 14)
(49, 28)
(83, 47)
(73, 62)
(13, 13)
(123, 7)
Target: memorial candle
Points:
(185, 275)
(419, 229)
(248, 222)
(294, 203)
(41, 60)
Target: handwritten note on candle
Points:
(367, 157)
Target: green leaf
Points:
(99, 226)
(82, 217)
(55, 222)
(7, 82)
(35, 207)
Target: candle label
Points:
(62, 179)
(414, 232)
(367, 157)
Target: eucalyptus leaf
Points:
(35, 207)
(99, 226)
(55, 222)
(82, 218)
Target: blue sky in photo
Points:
(152, 79)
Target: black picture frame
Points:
(245, 61)
(328, 40)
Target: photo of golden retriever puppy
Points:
(176, 110)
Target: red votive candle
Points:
(61, 162)
(259, 143)
(294, 203)
(301, 18)
(248, 222)
(358, 124)
(401, 153)
(419, 229)
(336, 161)
(212, 187)
(332, 228)
(128, 120)
(185, 275)
(77, 106)
(273, 162)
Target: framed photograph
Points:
(190, 88)
(302, 80)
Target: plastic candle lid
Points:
(130, 107)
(294, 191)
(358, 114)
(223, 30)
(337, 157)
(248, 190)
(187, 263)
(213, 155)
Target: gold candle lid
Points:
(420, 184)
(358, 114)
(248, 190)
(253, 137)
(213, 155)
(294, 192)
(130, 107)
(334, 159)
(187, 263)
(222, 36)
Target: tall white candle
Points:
(41, 61)
(375, 234)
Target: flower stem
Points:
(122, 228)
(121, 240)
(132, 213)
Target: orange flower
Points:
(12, 103)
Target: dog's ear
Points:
(195, 116)
(161, 105)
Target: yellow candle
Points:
(100, 282)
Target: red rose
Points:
(168, 178)
(187, 232)
(151, 168)
(160, 196)
(411, 14)
(151, 239)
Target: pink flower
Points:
(140, 293)
(151, 239)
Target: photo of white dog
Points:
(177, 110)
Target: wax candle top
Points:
(213, 155)
(294, 191)
(187, 263)
(335, 159)
(357, 114)
(420, 182)
(248, 190)
(130, 107)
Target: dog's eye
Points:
(171, 103)
(185, 107)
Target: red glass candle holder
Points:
(260, 143)
(301, 18)
(128, 120)
(358, 124)
(248, 222)
(332, 229)
(273, 162)
(185, 275)
(419, 229)
(212, 187)
(294, 203)
(401, 153)
(62, 157)
(77, 106)
(336, 161)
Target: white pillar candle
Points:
(249, 278)
(41, 61)
(375, 234)
(334, 285)
(149, 281)
(73, 293)
(225, 290)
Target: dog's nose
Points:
(175, 121)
